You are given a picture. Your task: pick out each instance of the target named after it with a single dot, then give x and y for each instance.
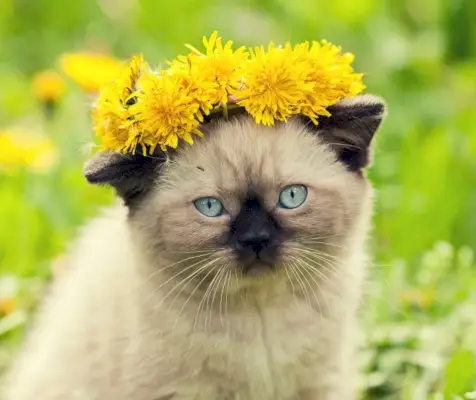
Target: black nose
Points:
(254, 239)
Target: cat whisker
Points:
(310, 237)
(235, 270)
(238, 276)
(312, 241)
(185, 282)
(214, 288)
(301, 271)
(206, 266)
(330, 262)
(177, 318)
(310, 262)
(294, 270)
(330, 265)
(310, 269)
(182, 284)
(223, 290)
(325, 264)
(177, 274)
(175, 264)
(187, 278)
(320, 253)
(290, 281)
(202, 250)
(227, 291)
(203, 299)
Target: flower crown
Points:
(144, 109)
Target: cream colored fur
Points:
(119, 326)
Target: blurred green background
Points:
(420, 55)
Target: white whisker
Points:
(191, 293)
(204, 298)
(202, 250)
(161, 269)
(324, 244)
(310, 269)
(222, 289)
(321, 253)
(301, 271)
(227, 288)
(293, 270)
(291, 282)
(329, 264)
(213, 288)
(186, 279)
(316, 267)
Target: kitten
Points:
(233, 270)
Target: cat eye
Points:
(209, 206)
(292, 196)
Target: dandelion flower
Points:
(7, 306)
(220, 65)
(148, 109)
(203, 91)
(331, 75)
(112, 117)
(8, 292)
(274, 82)
(21, 149)
(90, 71)
(48, 86)
(167, 112)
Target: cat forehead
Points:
(241, 153)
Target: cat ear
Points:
(351, 127)
(132, 176)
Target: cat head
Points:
(250, 198)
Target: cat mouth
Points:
(257, 264)
(258, 269)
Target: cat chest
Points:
(271, 356)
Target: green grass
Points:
(419, 316)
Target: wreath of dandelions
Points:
(147, 109)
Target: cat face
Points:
(250, 198)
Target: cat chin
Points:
(257, 277)
(258, 268)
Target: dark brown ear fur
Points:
(351, 127)
(131, 175)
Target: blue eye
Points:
(292, 196)
(209, 206)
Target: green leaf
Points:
(459, 374)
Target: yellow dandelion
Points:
(220, 66)
(273, 84)
(113, 120)
(130, 75)
(109, 116)
(7, 306)
(21, 149)
(422, 298)
(48, 86)
(203, 91)
(331, 75)
(89, 70)
(167, 112)
(146, 109)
